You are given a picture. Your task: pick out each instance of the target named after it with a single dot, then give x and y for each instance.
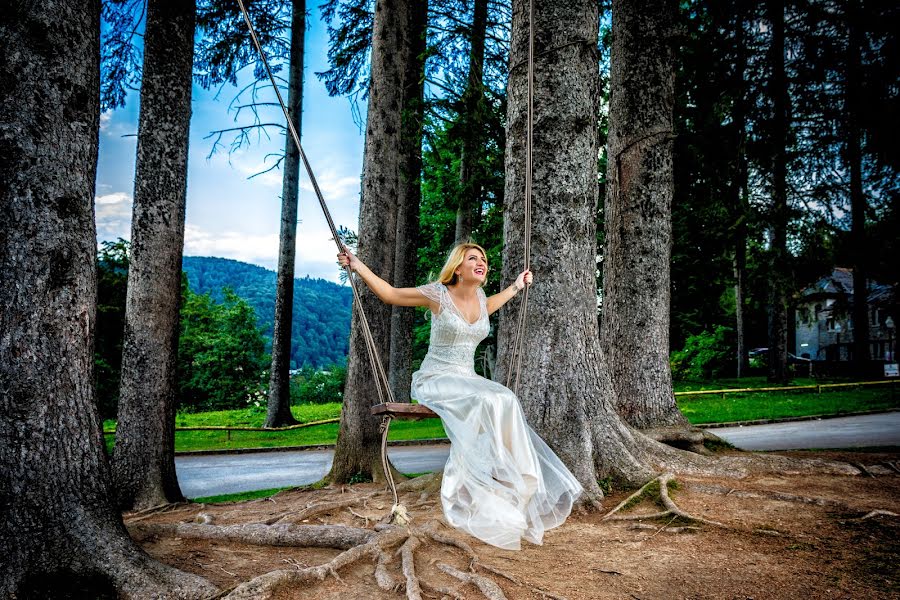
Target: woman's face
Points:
(473, 268)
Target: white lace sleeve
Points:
(434, 291)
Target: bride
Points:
(501, 482)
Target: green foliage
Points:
(112, 281)
(359, 478)
(221, 352)
(705, 356)
(318, 387)
(320, 333)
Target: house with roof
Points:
(824, 320)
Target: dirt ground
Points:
(775, 548)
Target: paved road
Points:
(215, 474)
(230, 473)
(841, 432)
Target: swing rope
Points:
(381, 380)
(512, 381)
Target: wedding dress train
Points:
(501, 482)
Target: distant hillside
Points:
(321, 308)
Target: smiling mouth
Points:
(479, 271)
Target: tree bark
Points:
(638, 223)
(738, 189)
(565, 388)
(357, 453)
(853, 105)
(778, 271)
(58, 530)
(407, 242)
(278, 411)
(472, 126)
(144, 455)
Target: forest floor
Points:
(786, 537)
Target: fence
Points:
(818, 388)
(228, 428)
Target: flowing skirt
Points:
(501, 482)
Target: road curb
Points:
(792, 419)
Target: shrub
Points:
(318, 387)
(706, 355)
(221, 357)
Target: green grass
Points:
(778, 405)
(244, 417)
(745, 382)
(698, 409)
(241, 496)
(187, 441)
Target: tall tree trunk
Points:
(564, 385)
(472, 125)
(738, 188)
(58, 529)
(638, 223)
(407, 243)
(358, 445)
(857, 197)
(278, 411)
(778, 269)
(144, 455)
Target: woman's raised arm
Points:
(500, 298)
(381, 288)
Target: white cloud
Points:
(333, 185)
(257, 249)
(113, 215)
(316, 253)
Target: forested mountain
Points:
(321, 309)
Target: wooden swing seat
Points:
(402, 410)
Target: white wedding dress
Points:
(501, 482)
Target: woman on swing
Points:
(501, 482)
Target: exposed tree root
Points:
(711, 488)
(381, 545)
(878, 513)
(442, 591)
(517, 581)
(488, 587)
(413, 591)
(891, 466)
(312, 536)
(264, 586)
(430, 529)
(640, 457)
(862, 469)
(140, 515)
(315, 510)
(665, 528)
(685, 438)
(383, 577)
(671, 509)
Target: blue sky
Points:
(228, 214)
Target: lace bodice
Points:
(453, 339)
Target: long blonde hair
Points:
(455, 259)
